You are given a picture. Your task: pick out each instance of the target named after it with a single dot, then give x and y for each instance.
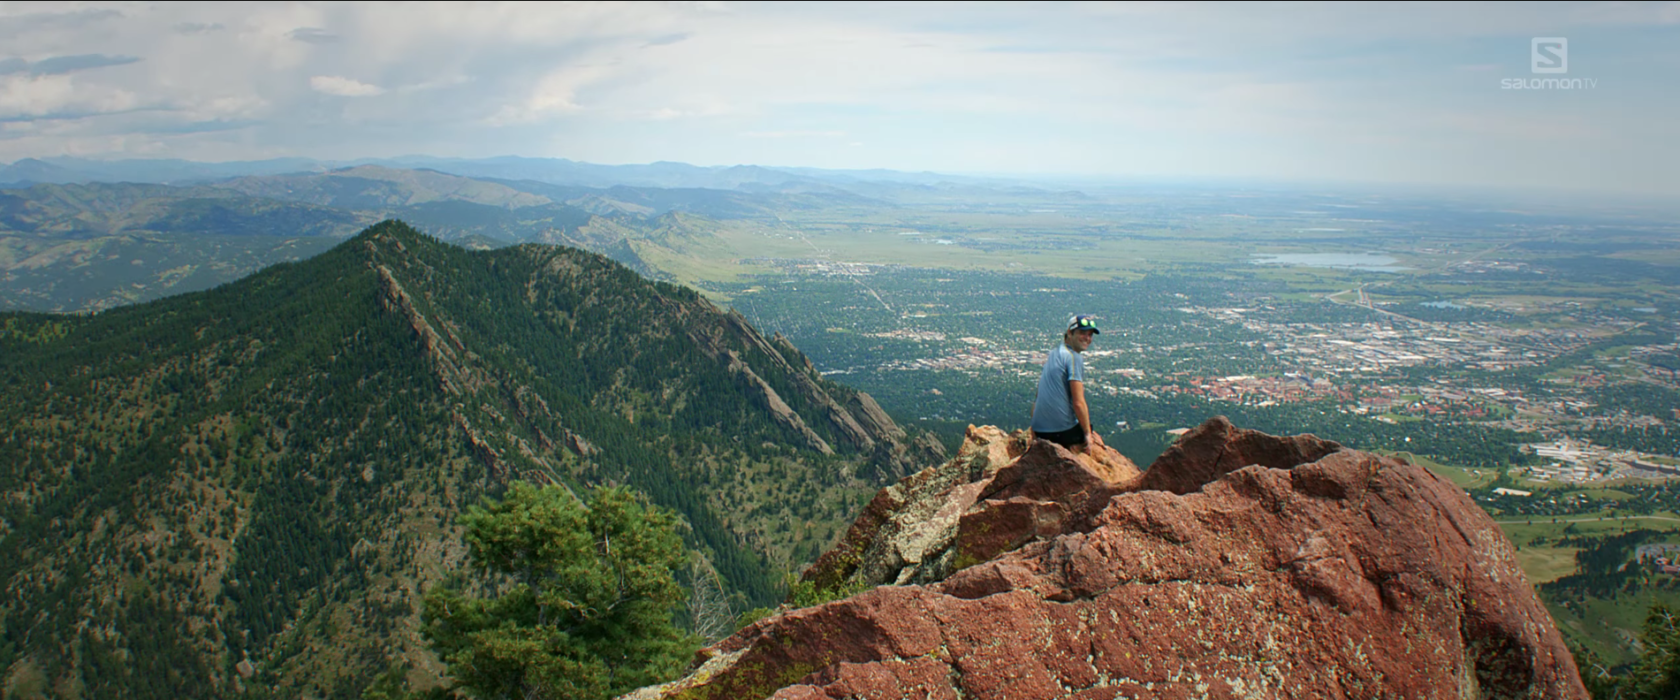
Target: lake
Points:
(1352, 261)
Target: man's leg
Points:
(1070, 438)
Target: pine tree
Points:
(584, 599)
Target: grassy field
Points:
(1543, 561)
(1609, 626)
(1654, 257)
(1546, 564)
(1046, 245)
(1464, 477)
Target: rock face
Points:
(1241, 565)
(999, 492)
(860, 423)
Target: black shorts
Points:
(1072, 437)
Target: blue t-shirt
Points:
(1053, 411)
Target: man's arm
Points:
(1076, 397)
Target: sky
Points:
(1413, 93)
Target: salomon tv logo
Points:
(1548, 55)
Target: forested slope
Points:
(247, 489)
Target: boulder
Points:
(1240, 565)
(910, 531)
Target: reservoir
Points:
(1349, 261)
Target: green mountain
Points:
(67, 248)
(104, 209)
(245, 490)
(91, 247)
(379, 187)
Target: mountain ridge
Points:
(250, 486)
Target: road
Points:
(825, 255)
(1363, 300)
(1526, 521)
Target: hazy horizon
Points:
(1411, 95)
(1549, 197)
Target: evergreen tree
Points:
(1655, 676)
(583, 597)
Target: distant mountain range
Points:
(85, 235)
(90, 247)
(553, 171)
(80, 247)
(154, 171)
(247, 488)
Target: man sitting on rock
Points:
(1060, 414)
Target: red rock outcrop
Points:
(1240, 565)
(999, 492)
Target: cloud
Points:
(59, 97)
(197, 27)
(667, 40)
(25, 24)
(58, 65)
(199, 127)
(313, 35)
(556, 93)
(793, 134)
(1358, 91)
(343, 87)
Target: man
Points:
(1059, 413)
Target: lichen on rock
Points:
(1239, 565)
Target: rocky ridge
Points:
(863, 426)
(1240, 565)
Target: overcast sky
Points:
(1319, 92)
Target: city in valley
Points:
(1344, 364)
(1496, 356)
